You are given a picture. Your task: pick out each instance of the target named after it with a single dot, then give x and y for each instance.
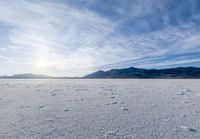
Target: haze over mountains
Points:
(25, 76)
(32, 76)
(138, 73)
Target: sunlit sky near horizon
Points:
(76, 37)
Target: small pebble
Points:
(188, 129)
(114, 102)
(66, 110)
(124, 108)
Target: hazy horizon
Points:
(77, 37)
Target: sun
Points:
(43, 62)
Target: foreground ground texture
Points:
(100, 109)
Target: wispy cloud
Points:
(53, 35)
(73, 38)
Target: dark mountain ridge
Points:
(180, 72)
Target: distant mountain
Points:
(180, 72)
(138, 73)
(34, 76)
(26, 76)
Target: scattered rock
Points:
(197, 112)
(188, 90)
(41, 106)
(181, 93)
(188, 129)
(183, 115)
(24, 106)
(155, 105)
(185, 102)
(192, 130)
(154, 135)
(81, 89)
(114, 102)
(66, 110)
(124, 108)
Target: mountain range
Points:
(180, 72)
(132, 72)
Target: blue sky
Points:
(76, 37)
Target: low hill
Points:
(26, 76)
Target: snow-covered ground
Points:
(100, 109)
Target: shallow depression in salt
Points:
(100, 109)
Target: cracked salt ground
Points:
(79, 110)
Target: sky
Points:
(77, 37)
